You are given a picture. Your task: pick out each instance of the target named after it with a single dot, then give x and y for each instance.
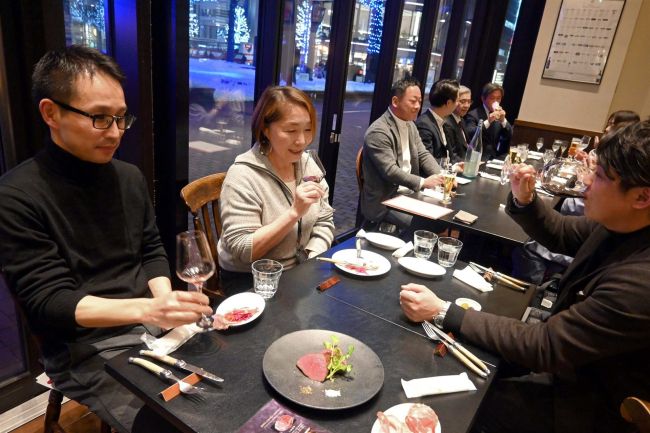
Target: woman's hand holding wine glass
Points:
(194, 264)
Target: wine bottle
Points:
(474, 153)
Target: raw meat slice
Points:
(314, 366)
(421, 419)
(390, 424)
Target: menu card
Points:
(417, 207)
(273, 417)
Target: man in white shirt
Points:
(497, 131)
(394, 156)
(443, 98)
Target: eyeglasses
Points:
(101, 121)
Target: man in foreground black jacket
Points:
(594, 350)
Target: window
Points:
(466, 28)
(85, 23)
(439, 41)
(506, 41)
(408, 40)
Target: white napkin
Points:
(401, 252)
(361, 234)
(489, 176)
(531, 156)
(497, 161)
(172, 340)
(462, 180)
(432, 193)
(472, 278)
(495, 166)
(437, 385)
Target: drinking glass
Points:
(313, 155)
(194, 265)
(556, 145)
(549, 154)
(575, 145)
(564, 145)
(449, 177)
(540, 143)
(266, 276)
(448, 250)
(584, 143)
(445, 164)
(423, 243)
(522, 149)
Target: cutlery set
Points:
(510, 282)
(184, 385)
(456, 349)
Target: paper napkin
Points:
(361, 234)
(437, 385)
(172, 340)
(472, 278)
(495, 166)
(429, 192)
(401, 252)
(465, 217)
(462, 180)
(489, 176)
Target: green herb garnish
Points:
(338, 361)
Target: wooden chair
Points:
(359, 167)
(637, 412)
(55, 398)
(202, 200)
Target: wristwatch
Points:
(440, 317)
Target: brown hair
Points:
(270, 108)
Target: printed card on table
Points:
(273, 417)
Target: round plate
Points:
(468, 303)
(382, 240)
(421, 267)
(399, 411)
(242, 300)
(357, 387)
(368, 257)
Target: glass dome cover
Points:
(564, 176)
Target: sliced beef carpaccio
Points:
(314, 365)
(390, 424)
(421, 419)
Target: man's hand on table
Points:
(176, 308)
(522, 181)
(419, 303)
(433, 181)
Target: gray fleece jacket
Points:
(253, 195)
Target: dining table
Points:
(484, 197)
(361, 307)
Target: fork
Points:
(455, 350)
(164, 373)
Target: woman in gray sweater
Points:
(267, 210)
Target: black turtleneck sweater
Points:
(70, 228)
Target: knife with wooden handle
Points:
(178, 363)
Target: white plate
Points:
(399, 411)
(382, 240)
(366, 256)
(242, 300)
(421, 267)
(469, 302)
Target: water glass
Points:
(423, 243)
(540, 143)
(448, 250)
(522, 149)
(266, 275)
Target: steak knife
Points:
(179, 363)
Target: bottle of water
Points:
(474, 153)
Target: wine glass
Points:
(563, 145)
(584, 143)
(540, 143)
(194, 265)
(313, 155)
(556, 145)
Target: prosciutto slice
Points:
(421, 419)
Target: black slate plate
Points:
(357, 387)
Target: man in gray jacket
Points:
(394, 158)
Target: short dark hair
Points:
(56, 71)
(626, 152)
(442, 91)
(491, 87)
(622, 118)
(400, 86)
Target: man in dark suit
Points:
(497, 132)
(443, 98)
(577, 366)
(455, 127)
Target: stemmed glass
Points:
(194, 265)
(584, 143)
(563, 145)
(540, 143)
(556, 145)
(313, 155)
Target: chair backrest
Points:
(360, 169)
(637, 412)
(202, 200)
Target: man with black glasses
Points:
(80, 247)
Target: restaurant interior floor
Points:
(75, 418)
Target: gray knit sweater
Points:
(253, 196)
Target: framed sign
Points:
(582, 39)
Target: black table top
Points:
(483, 198)
(236, 354)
